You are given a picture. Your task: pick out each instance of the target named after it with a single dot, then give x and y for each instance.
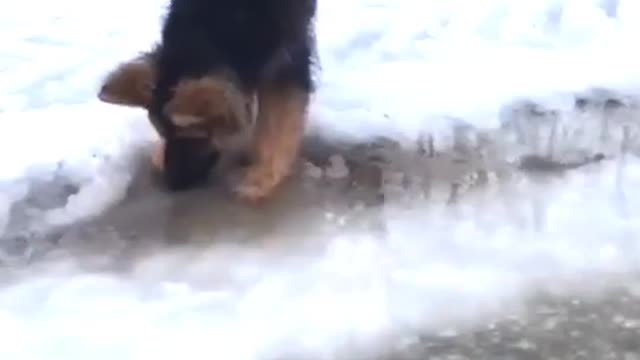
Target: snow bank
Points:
(409, 66)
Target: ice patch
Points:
(434, 268)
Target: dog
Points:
(212, 55)
(261, 48)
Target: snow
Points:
(401, 67)
(479, 54)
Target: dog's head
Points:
(210, 116)
(187, 162)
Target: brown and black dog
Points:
(217, 61)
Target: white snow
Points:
(388, 66)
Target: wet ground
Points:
(343, 185)
(553, 324)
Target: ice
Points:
(403, 68)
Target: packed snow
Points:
(401, 68)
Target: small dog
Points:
(261, 47)
(213, 56)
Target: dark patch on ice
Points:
(533, 163)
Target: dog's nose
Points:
(188, 162)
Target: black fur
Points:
(257, 41)
(189, 161)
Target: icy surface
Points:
(403, 68)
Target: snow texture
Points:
(401, 68)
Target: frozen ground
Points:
(469, 231)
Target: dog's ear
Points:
(130, 84)
(211, 101)
(198, 101)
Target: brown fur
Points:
(129, 84)
(157, 157)
(279, 131)
(210, 104)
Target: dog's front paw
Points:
(256, 185)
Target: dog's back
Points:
(200, 35)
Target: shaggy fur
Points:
(225, 51)
(131, 83)
(220, 62)
(187, 160)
